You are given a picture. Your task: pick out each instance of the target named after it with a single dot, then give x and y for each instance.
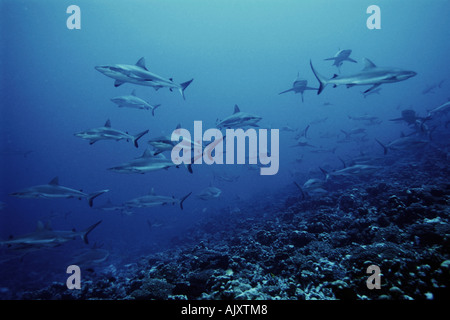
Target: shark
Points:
(209, 193)
(369, 75)
(239, 119)
(432, 87)
(366, 117)
(404, 143)
(165, 143)
(132, 101)
(301, 139)
(153, 200)
(53, 190)
(225, 177)
(313, 187)
(442, 109)
(139, 74)
(90, 257)
(45, 237)
(354, 131)
(340, 57)
(409, 116)
(110, 207)
(149, 161)
(354, 170)
(302, 142)
(108, 133)
(299, 86)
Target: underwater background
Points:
(263, 237)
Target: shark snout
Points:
(102, 69)
(410, 74)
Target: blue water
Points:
(237, 52)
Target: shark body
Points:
(108, 133)
(369, 75)
(140, 75)
(53, 190)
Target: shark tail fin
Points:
(94, 195)
(320, 78)
(138, 136)
(384, 147)
(87, 231)
(154, 107)
(184, 85)
(184, 198)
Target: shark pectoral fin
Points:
(372, 87)
(286, 91)
(351, 60)
(118, 83)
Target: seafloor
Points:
(289, 246)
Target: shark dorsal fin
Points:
(141, 63)
(152, 191)
(368, 64)
(108, 124)
(236, 109)
(178, 126)
(133, 93)
(147, 153)
(334, 76)
(54, 181)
